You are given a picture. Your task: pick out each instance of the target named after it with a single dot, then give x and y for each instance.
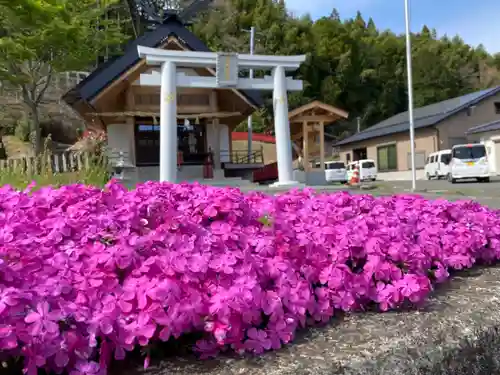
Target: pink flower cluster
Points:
(87, 274)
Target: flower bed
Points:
(87, 275)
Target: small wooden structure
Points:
(309, 121)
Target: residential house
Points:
(438, 126)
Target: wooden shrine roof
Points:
(316, 112)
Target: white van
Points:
(438, 164)
(335, 171)
(469, 161)
(366, 167)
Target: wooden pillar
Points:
(305, 146)
(130, 106)
(322, 144)
(215, 128)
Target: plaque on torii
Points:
(227, 67)
(226, 70)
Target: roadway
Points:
(467, 188)
(486, 193)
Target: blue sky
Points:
(475, 21)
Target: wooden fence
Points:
(61, 162)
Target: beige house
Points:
(438, 126)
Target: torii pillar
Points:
(168, 123)
(282, 130)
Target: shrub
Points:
(22, 130)
(88, 274)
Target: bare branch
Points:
(48, 80)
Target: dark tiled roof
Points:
(111, 70)
(423, 117)
(490, 126)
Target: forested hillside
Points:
(351, 64)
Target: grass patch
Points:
(19, 176)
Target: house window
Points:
(497, 108)
(348, 157)
(387, 159)
(419, 160)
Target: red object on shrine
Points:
(179, 159)
(208, 167)
(266, 174)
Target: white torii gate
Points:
(227, 67)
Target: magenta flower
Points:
(7, 299)
(43, 320)
(8, 339)
(88, 368)
(258, 341)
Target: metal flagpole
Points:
(410, 95)
(249, 121)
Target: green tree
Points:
(40, 38)
(350, 63)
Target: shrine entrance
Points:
(191, 142)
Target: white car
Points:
(469, 161)
(335, 171)
(437, 164)
(366, 167)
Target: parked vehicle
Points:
(469, 161)
(335, 171)
(438, 164)
(367, 169)
(267, 174)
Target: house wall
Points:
(425, 141)
(452, 130)
(223, 133)
(491, 141)
(479, 137)
(268, 149)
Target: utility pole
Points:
(249, 121)
(359, 123)
(410, 95)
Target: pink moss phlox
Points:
(87, 275)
